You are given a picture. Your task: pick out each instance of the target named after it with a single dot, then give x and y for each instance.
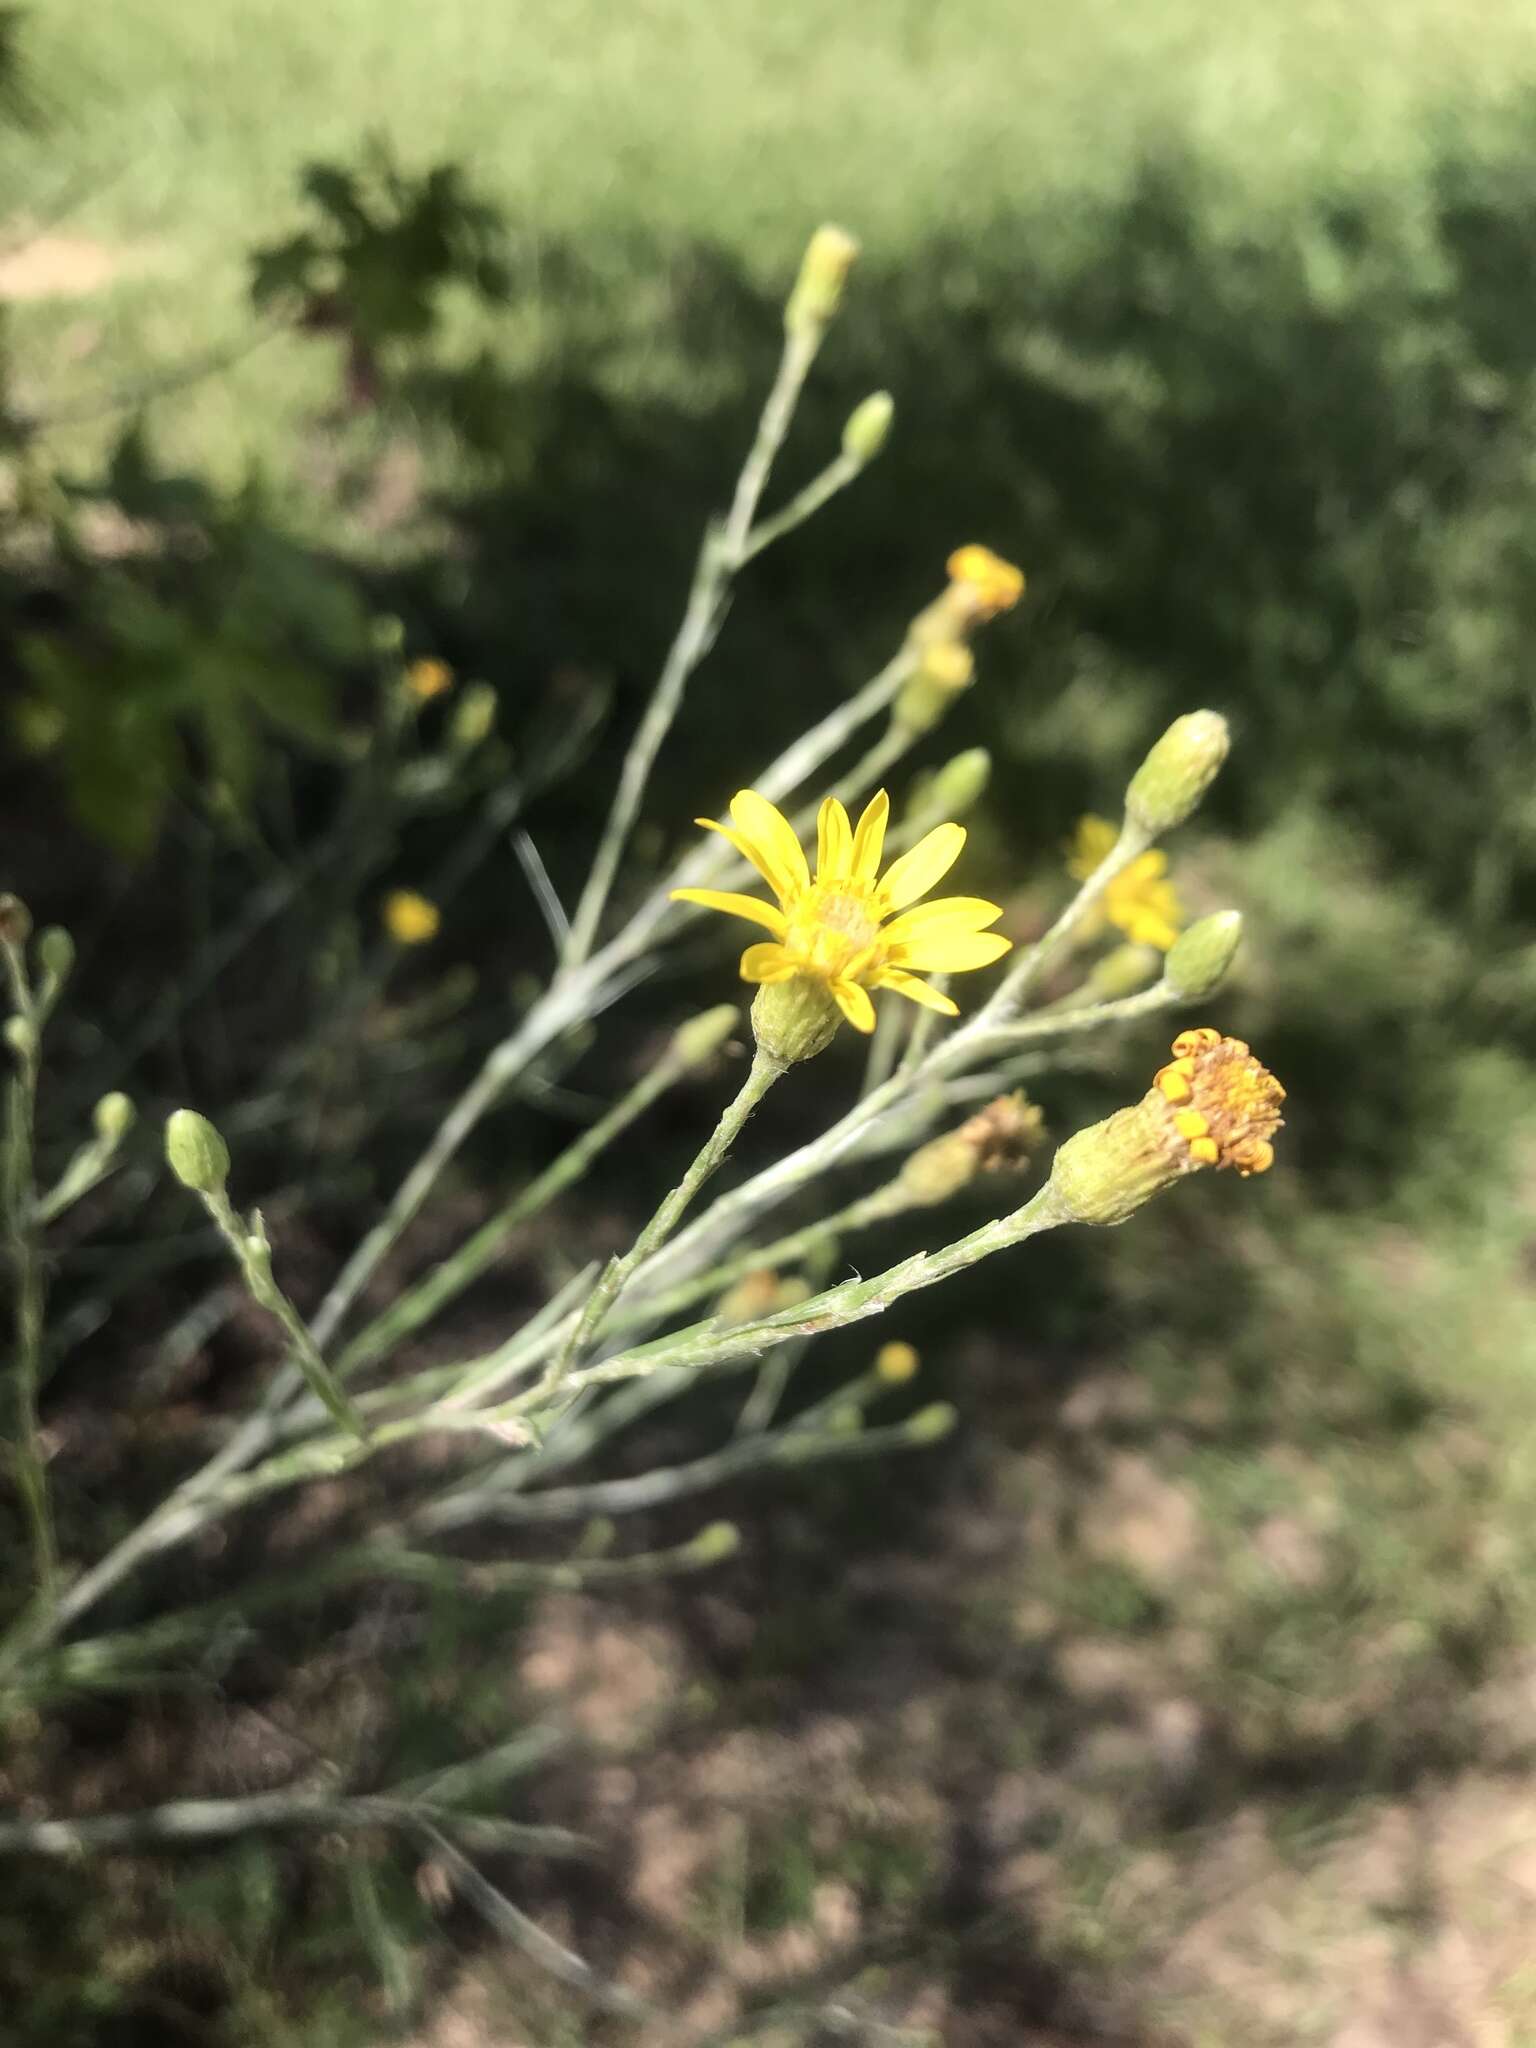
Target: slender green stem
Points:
(18, 1200)
(763, 1073)
(253, 1255)
(721, 555)
(838, 474)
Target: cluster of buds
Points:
(981, 584)
(996, 1139)
(1214, 1104)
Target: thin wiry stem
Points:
(721, 555)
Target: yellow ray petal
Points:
(748, 851)
(869, 839)
(771, 833)
(957, 913)
(855, 1005)
(919, 991)
(752, 907)
(951, 952)
(928, 862)
(834, 841)
(766, 962)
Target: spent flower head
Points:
(1140, 901)
(428, 677)
(1213, 1104)
(830, 931)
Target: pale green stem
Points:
(421, 1302)
(838, 474)
(721, 555)
(761, 1076)
(253, 1256)
(26, 1262)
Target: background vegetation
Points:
(1213, 1635)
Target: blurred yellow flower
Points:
(896, 1363)
(410, 919)
(428, 677)
(1140, 901)
(991, 584)
(830, 930)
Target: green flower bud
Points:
(794, 1020)
(56, 953)
(868, 426)
(113, 1118)
(702, 1036)
(1122, 972)
(387, 633)
(931, 1424)
(716, 1543)
(960, 784)
(21, 1037)
(818, 289)
(1105, 1173)
(195, 1152)
(1169, 784)
(474, 718)
(1198, 960)
(15, 921)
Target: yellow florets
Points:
(990, 585)
(897, 1362)
(829, 931)
(1140, 901)
(410, 919)
(428, 677)
(1226, 1104)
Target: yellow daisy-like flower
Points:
(410, 919)
(1140, 901)
(831, 929)
(428, 677)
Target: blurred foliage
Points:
(388, 247)
(185, 629)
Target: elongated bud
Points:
(714, 1544)
(474, 718)
(1199, 959)
(113, 1118)
(960, 784)
(702, 1036)
(195, 1152)
(56, 954)
(868, 427)
(897, 1363)
(794, 1020)
(15, 921)
(1214, 1104)
(21, 1037)
(945, 670)
(818, 291)
(1174, 777)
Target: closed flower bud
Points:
(960, 784)
(1174, 777)
(702, 1036)
(1198, 960)
(794, 1020)
(818, 291)
(15, 921)
(946, 669)
(868, 426)
(21, 1037)
(896, 1363)
(428, 677)
(1122, 972)
(195, 1152)
(113, 1118)
(474, 718)
(932, 1424)
(754, 1295)
(1214, 1104)
(716, 1543)
(56, 953)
